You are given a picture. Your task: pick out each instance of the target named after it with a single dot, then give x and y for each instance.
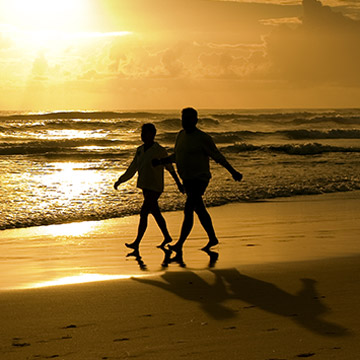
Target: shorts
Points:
(195, 187)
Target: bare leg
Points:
(206, 222)
(187, 225)
(155, 211)
(145, 210)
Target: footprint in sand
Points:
(17, 343)
(121, 339)
(306, 355)
(70, 327)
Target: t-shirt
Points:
(192, 152)
(149, 177)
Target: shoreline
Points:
(277, 230)
(307, 197)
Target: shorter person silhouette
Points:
(151, 181)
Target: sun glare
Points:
(46, 15)
(52, 24)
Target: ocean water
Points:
(60, 167)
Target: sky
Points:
(168, 54)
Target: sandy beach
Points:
(285, 286)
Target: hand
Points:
(116, 185)
(237, 176)
(155, 162)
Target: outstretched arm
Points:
(235, 174)
(215, 154)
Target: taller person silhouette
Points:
(193, 148)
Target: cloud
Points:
(91, 75)
(281, 21)
(171, 60)
(208, 52)
(323, 49)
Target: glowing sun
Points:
(51, 15)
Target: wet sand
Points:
(285, 286)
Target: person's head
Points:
(148, 132)
(189, 119)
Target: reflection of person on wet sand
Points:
(169, 260)
(213, 258)
(305, 307)
(193, 148)
(138, 258)
(151, 181)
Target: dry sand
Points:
(285, 286)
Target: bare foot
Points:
(210, 244)
(162, 245)
(133, 245)
(213, 257)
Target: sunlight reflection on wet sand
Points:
(79, 279)
(72, 229)
(253, 233)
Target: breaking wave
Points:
(292, 149)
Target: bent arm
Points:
(237, 176)
(130, 172)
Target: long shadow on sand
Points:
(305, 307)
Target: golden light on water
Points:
(72, 134)
(71, 182)
(63, 186)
